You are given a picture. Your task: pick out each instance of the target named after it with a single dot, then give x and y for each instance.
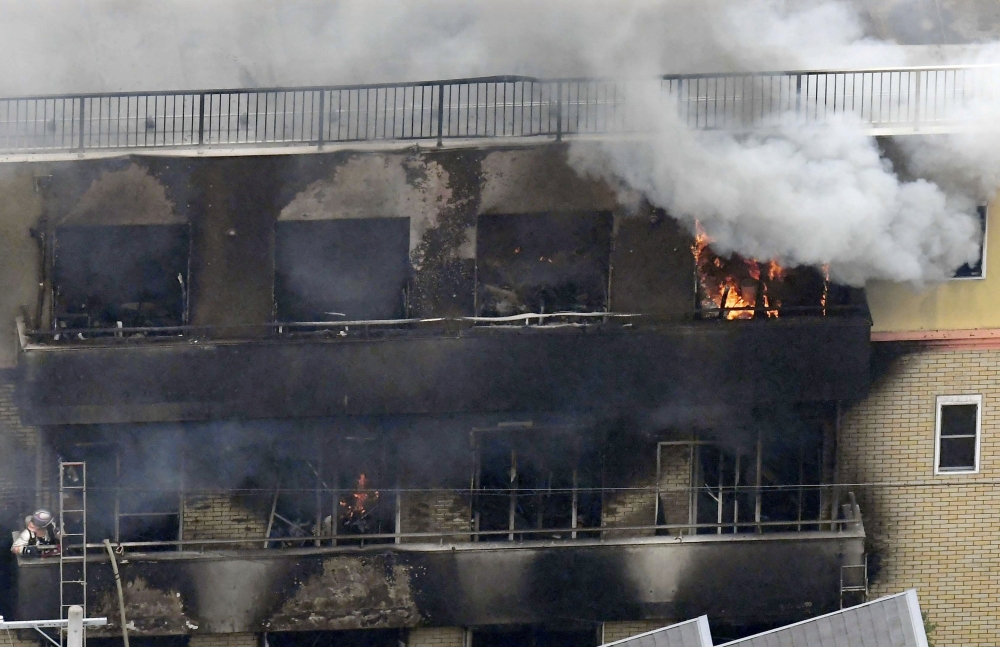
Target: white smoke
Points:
(804, 195)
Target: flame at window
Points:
(737, 287)
(356, 508)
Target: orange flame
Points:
(732, 285)
(356, 503)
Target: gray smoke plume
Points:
(817, 195)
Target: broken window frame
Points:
(513, 533)
(483, 259)
(728, 518)
(952, 400)
(51, 253)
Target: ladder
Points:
(854, 580)
(72, 539)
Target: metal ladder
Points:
(72, 539)
(849, 575)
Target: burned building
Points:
(417, 393)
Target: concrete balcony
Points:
(439, 366)
(742, 578)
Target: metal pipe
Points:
(74, 633)
(118, 585)
(757, 479)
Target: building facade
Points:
(923, 448)
(450, 395)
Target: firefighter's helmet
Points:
(41, 518)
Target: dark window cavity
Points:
(129, 275)
(975, 271)
(543, 263)
(341, 270)
(535, 480)
(958, 433)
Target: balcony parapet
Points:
(741, 578)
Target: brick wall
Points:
(619, 630)
(219, 516)
(439, 511)
(18, 455)
(224, 640)
(18, 639)
(675, 484)
(630, 475)
(938, 534)
(436, 637)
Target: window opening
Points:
(543, 263)
(341, 270)
(534, 480)
(976, 270)
(773, 476)
(131, 276)
(958, 426)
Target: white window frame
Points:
(944, 400)
(982, 251)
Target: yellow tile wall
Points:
(938, 534)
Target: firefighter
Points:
(40, 535)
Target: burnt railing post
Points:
(798, 94)
(201, 119)
(322, 118)
(440, 141)
(559, 111)
(81, 123)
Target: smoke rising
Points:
(816, 195)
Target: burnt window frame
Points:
(513, 439)
(977, 271)
(950, 400)
(283, 294)
(55, 315)
(482, 256)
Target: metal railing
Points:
(313, 525)
(396, 327)
(896, 99)
(499, 106)
(487, 107)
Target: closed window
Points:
(957, 433)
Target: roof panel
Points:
(892, 621)
(693, 633)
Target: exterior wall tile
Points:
(620, 630)
(436, 637)
(933, 533)
(224, 640)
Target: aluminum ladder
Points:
(72, 539)
(854, 580)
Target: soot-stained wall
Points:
(232, 206)
(735, 582)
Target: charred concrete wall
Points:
(385, 587)
(233, 206)
(21, 207)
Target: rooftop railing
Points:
(498, 107)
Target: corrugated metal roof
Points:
(693, 633)
(892, 621)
